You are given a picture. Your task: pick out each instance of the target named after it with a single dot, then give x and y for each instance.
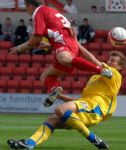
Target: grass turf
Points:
(22, 126)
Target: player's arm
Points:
(39, 22)
(89, 56)
(28, 45)
(66, 98)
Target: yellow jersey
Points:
(103, 91)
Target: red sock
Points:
(51, 83)
(84, 65)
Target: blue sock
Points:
(30, 142)
(91, 137)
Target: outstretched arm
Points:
(28, 45)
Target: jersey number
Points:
(64, 20)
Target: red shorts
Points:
(74, 53)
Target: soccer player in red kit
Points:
(50, 23)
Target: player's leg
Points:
(49, 78)
(67, 112)
(68, 59)
(51, 83)
(42, 134)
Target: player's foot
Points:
(19, 144)
(52, 97)
(100, 144)
(107, 73)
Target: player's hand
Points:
(106, 72)
(13, 51)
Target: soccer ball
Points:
(117, 36)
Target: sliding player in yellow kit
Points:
(97, 103)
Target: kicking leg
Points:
(41, 135)
(67, 113)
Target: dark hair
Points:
(94, 6)
(30, 19)
(85, 19)
(21, 20)
(7, 18)
(120, 55)
(36, 3)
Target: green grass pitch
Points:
(22, 126)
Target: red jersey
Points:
(50, 23)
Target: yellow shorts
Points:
(88, 111)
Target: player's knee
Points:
(59, 111)
(52, 121)
(65, 59)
